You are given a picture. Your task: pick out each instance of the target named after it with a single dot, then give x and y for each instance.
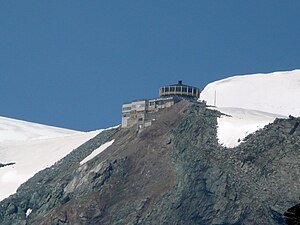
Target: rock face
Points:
(293, 215)
(173, 172)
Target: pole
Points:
(215, 100)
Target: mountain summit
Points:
(175, 171)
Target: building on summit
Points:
(180, 90)
(142, 112)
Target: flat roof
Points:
(137, 100)
(151, 99)
(182, 85)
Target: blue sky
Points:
(72, 63)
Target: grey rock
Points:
(173, 172)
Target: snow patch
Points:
(276, 93)
(238, 123)
(97, 151)
(28, 212)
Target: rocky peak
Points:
(173, 172)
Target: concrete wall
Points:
(142, 112)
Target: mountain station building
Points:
(142, 112)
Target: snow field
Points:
(32, 147)
(32, 156)
(251, 102)
(238, 123)
(276, 93)
(17, 130)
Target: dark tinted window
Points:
(184, 89)
(167, 89)
(190, 90)
(126, 114)
(178, 89)
(172, 89)
(126, 108)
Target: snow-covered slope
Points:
(17, 130)
(237, 123)
(251, 102)
(276, 93)
(32, 147)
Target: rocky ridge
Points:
(173, 172)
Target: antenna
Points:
(215, 100)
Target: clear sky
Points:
(73, 63)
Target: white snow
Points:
(252, 101)
(17, 130)
(238, 123)
(276, 93)
(32, 147)
(97, 151)
(28, 212)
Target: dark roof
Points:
(181, 84)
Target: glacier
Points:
(250, 102)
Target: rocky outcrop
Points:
(6, 164)
(293, 215)
(173, 172)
